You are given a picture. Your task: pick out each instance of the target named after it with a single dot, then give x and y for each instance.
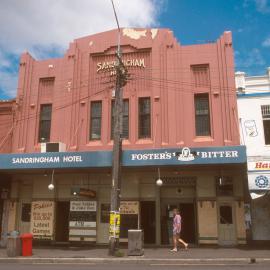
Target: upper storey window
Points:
(144, 117)
(200, 74)
(125, 127)
(45, 123)
(266, 122)
(202, 115)
(95, 121)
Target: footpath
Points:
(75, 255)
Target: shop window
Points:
(95, 121)
(224, 186)
(26, 212)
(144, 117)
(125, 128)
(45, 122)
(225, 214)
(200, 74)
(105, 213)
(266, 122)
(202, 115)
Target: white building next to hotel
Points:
(254, 120)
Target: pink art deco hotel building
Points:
(180, 117)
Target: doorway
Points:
(1, 215)
(188, 226)
(62, 222)
(148, 221)
(226, 225)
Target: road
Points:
(124, 266)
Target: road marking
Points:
(196, 264)
(45, 263)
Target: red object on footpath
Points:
(27, 239)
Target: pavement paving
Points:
(132, 267)
(151, 255)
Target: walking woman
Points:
(177, 222)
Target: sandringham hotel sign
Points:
(130, 158)
(110, 65)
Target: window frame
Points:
(266, 119)
(143, 116)
(202, 115)
(42, 121)
(92, 118)
(126, 114)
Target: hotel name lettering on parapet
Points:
(110, 65)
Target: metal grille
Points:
(201, 75)
(180, 181)
(265, 111)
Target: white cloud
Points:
(251, 59)
(266, 42)
(45, 25)
(263, 6)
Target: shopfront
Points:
(258, 212)
(206, 184)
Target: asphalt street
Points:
(15, 266)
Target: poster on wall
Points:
(42, 219)
(114, 224)
(82, 221)
(250, 128)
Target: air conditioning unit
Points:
(53, 147)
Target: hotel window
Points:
(95, 121)
(266, 122)
(144, 117)
(200, 75)
(202, 115)
(45, 122)
(125, 130)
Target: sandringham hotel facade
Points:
(180, 116)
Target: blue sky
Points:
(23, 27)
(195, 21)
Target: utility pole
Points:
(121, 79)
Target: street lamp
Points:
(51, 185)
(159, 181)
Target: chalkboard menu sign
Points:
(82, 221)
(42, 219)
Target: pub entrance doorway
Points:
(62, 222)
(148, 221)
(189, 222)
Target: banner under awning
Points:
(259, 184)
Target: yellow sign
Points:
(114, 224)
(127, 63)
(129, 208)
(42, 217)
